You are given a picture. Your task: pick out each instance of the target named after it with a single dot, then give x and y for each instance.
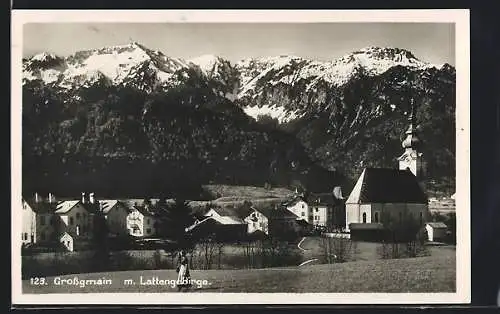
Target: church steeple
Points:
(411, 141)
(412, 157)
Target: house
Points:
(229, 215)
(436, 231)
(385, 195)
(319, 209)
(258, 220)
(225, 223)
(275, 221)
(141, 222)
(47, 222)
(298, 205)
(67, 241)
(75, 218)
(284, 223)
(38, 219)
(116, 216)
(327, 209)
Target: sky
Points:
(431, 42)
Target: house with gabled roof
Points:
(141, 222)
(436, 231)
(76, 218)
(225, 223)
(258, 219)
(386, 195)
(116, 214)
(327, 209)
(300, 207)
(38, 220)
(46, 221)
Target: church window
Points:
(364, 218)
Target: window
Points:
(42, 236)
(52, 220)
(77, 216)
(148, 230)
(71, 221)
(303, 214)
(376, 217)
(400, 217)
(421, 217)
(317, 209)
(148, 221)
(302, 205)
(42, 220)
(364, 218)
(25, 236)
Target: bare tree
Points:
(208, 247)
(336, 250)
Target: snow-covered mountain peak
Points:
(207, 63)
(44, 57)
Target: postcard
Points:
(171, 157)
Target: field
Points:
(423, 274)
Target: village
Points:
(379, 197)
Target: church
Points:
(391, 194)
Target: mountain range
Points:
(127, 116)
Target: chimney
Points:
(83, 197)
(91, 198)
(337, 192)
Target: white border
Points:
(462, 50)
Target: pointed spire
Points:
(411, 140)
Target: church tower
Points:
(412, 158)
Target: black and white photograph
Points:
(189, 157)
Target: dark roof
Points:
(282, 212)
(366, 226)
(301, 222)
(144, 211)
(239, 212)
(42, 207)
(322, 199)
(385, 185)
(265, 210)
(294, 200)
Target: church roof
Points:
(385, 185)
